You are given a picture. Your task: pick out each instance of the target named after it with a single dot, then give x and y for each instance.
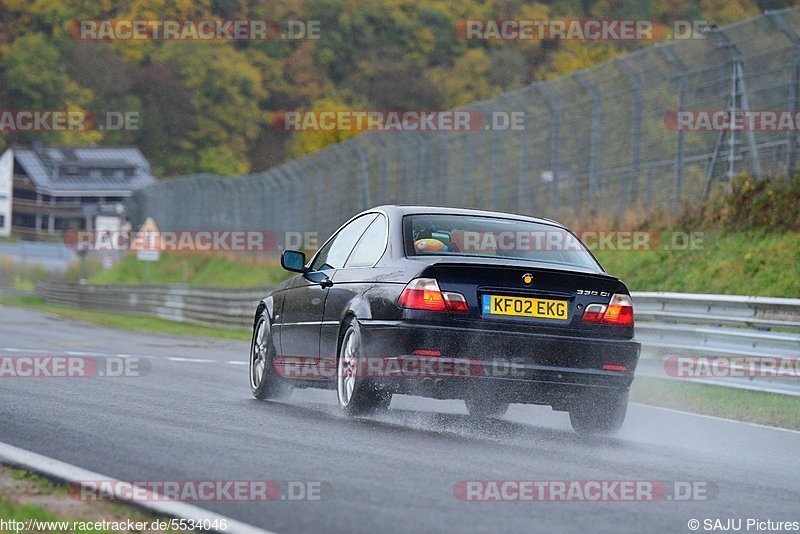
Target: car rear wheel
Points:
(486, 408)
(263, 382)
(357, 394)
(603, 415)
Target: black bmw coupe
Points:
(488, 307)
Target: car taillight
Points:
(424, 294)
(618, 312)
(594, 313)
(455, 302)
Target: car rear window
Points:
(493, 237)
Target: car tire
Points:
(603, 415)
(486, 408)
(264, 383)
(356, 394)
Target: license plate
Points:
(525, 307)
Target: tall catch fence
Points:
(596, 141)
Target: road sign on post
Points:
(148, 242)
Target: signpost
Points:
(148, 245)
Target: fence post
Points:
(309, 173)
(636, 123)
(493, 155)
(418, 177)
(332, 192)
(422, 166)
(296, 216)
(794, 80)
(322, 181)
(363, 189)
(683, 82)
(522, 176)
(383, 184)
(404, 162)
(281, 180)
(442, 189)
(738, 102)
(487, 123)
(555, 140)
(469, 140)
(594, 148)
(271, 190)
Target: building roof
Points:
(85, 171)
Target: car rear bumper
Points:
(513, 366)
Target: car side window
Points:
(335, 252)
(370, 247)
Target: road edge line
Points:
(68, 473)
(715, 417)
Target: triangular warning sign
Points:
(147, 241)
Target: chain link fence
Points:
(596, 141)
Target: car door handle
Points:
(326, 283)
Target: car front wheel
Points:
(263, 382)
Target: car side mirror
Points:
(293, 260)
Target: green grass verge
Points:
(195, 270)
(128, 322)
(742, 405)
(11, 511)
(26, 496)
(741, 263)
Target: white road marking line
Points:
(192, 360)
(236, 362)
(83, 353)
(10, 349)
(673, 410)
(53, 468)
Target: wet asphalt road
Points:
(192, 418)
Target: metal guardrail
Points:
(217, 307)
(667, 324)
(758, 312)
(685, 324)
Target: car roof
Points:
(400, 210)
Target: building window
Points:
(24, 194)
